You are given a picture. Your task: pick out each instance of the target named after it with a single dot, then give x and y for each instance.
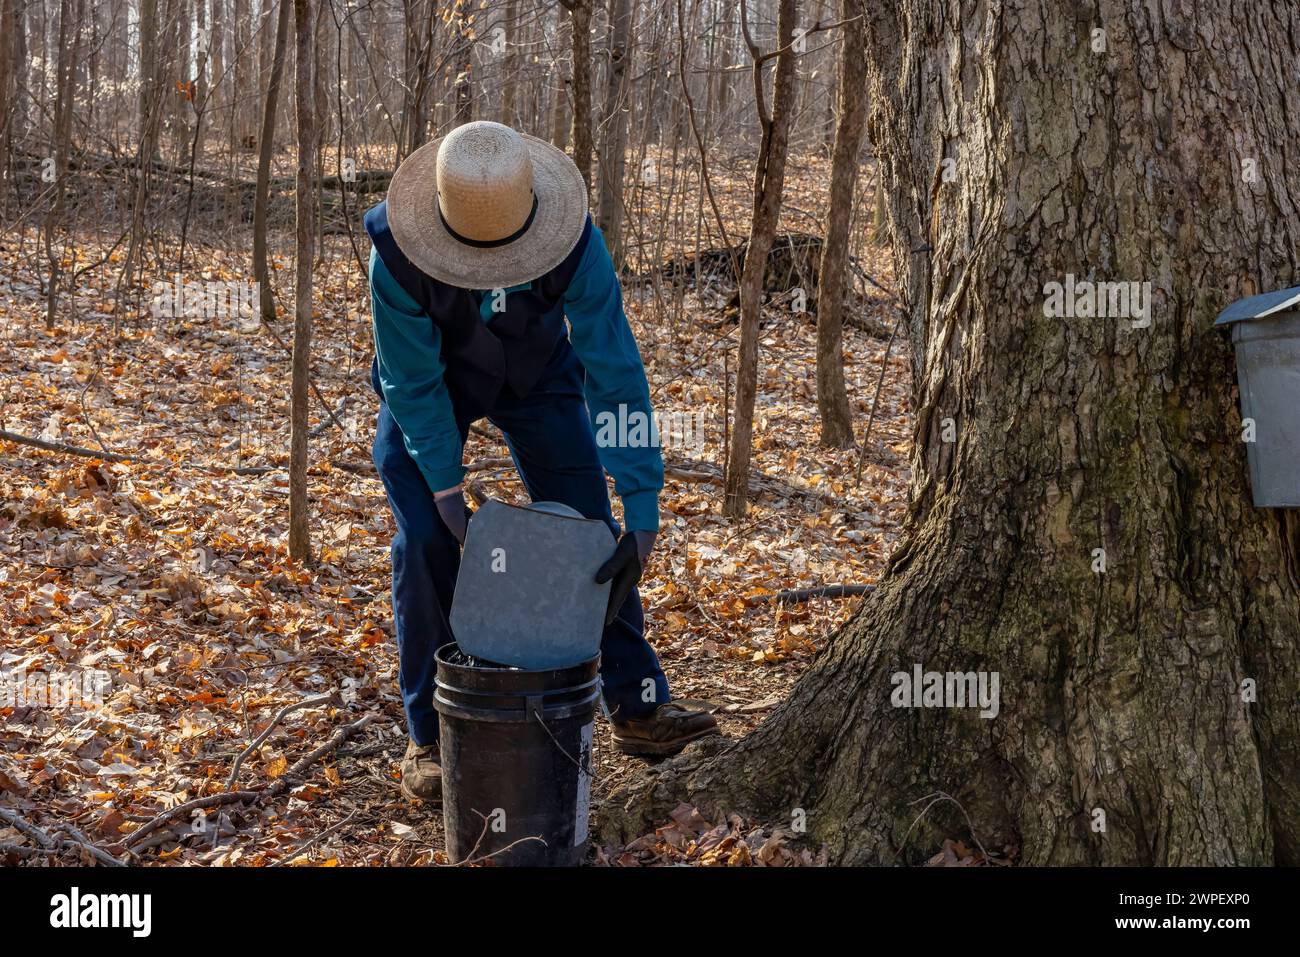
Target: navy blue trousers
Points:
(550, 438)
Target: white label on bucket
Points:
(584, 785)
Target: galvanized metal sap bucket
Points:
(1266, 337)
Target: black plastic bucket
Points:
(516, 759)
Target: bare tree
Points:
(564, 79)
(464, 61)
(305, 209)
(69, 32)
(266, 150)
(10, 24)
(510, 62)
(150, 76)
(580, 17)
(421, 23)
(242, 117)
(832, 398)
(769, 183)
(614, 122)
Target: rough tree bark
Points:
(305, 208)
(769, 185)
(835, 418)
(266, 149)
(1121, 692)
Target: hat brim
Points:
(424, 239)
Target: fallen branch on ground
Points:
(796, 595)
(75, 840)
(62, 448)
(231, 797)
(31, 830)
(200, 803)
(22, 850)
(693, 471)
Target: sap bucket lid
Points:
(1263, 306)
(526, 595)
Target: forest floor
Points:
(169, 573)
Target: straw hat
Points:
(485, 207)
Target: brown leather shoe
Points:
(421, 773)
(667, 730)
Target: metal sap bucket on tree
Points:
(1266, 338)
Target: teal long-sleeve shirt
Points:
(411, 367)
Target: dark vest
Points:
(512, 349)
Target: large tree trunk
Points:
(769, 186)
(305, 208)
(1121, 691)
(832, 398)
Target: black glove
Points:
(624, 567)
(453, 511)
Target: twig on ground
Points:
(211, 800)
(704, 472)
(280, 716)
(337, 738)
(303, 848)
(75, 840)
(22, 850)
(31, 830)
(471, 859)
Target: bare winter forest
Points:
(835, 226)
(150, 314)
